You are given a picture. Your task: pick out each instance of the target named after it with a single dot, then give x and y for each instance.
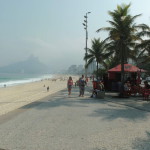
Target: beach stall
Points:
(131, 73)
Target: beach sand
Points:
(15, 97)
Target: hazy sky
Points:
(52, 30)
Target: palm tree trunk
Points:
(122, 69)
(122, 64)
(97, 70)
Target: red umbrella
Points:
(127, 68)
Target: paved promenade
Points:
(59, 122)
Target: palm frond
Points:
(89, 62)
(104, 29)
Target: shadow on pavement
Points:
(119, 112)
(99, 149)
(111, 112)
(59, 99)
(140, 144)
(62, 99)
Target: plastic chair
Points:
(146, 94)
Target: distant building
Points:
(80, 69)
(91, 68)
(74, 69)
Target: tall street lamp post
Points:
(86, 39)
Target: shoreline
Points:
(14, 97)
(25, 79)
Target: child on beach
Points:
(48, 89)
(69, 85)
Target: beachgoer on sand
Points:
(82, 84)
(69, 85)
(48, 89)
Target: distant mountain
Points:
(31, 65)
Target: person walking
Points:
(69, 85)
(82, 84)
(48, 89)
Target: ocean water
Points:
(16, 79)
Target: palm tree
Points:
(122, 34)
(143, 48)
(97, 52)
(110, 62)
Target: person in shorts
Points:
(82, 84)
(69, 85)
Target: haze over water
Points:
(52, 30)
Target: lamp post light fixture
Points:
(86, 39)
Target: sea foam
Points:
(13, 82)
